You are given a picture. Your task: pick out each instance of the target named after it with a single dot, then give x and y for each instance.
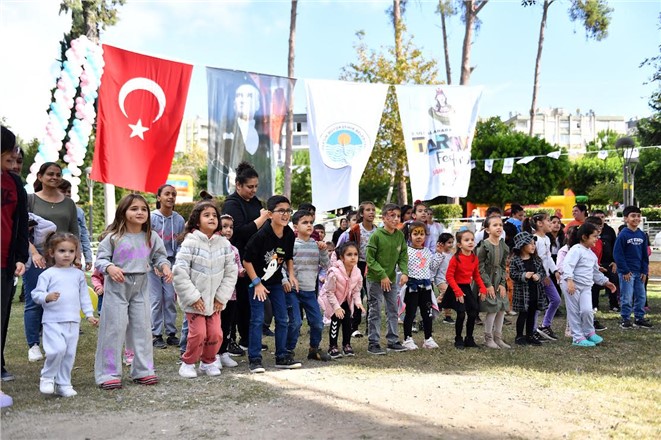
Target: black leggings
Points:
(346, 327)
(470, 307)
(527, 318)
(227, 318)
(414, 300)
(357, 313)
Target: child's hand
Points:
(643, 277)
(571, 287)
(613, 267)
(116, 274)
(53, 296)
(385, 284)
(529, 275)
(439, 298)
(294, 282)
(557, 276)
(339, 312)
(627, 276)
(92, 320)
(98, 290)
(217, 305)
(535, 277)
(260, 292)
(490, 291)
(158, 272)
(403, 280)
(360, 307)
(547, 281)
(198, 305)
(242, 273)
(322, 245)
(167, 274)
(503, 291)
(286, 286)
(610, 286)
(38, 260)
(19, 269)
(460, 299)
(603, 269)
(88, 266)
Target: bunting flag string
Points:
(601, 154)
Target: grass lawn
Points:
(621, 378)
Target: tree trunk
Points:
(446, 49)
(289, 132)
(538, 63)
(402, 193)
(397, 23)
(472, 8)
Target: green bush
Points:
(444, 212)
(652, 214)
(186, 208)
(532, 211)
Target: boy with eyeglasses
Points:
(266, 253)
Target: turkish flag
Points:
(141, 105)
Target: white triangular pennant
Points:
(473, 164)
(602, 154)
(525, 160)
(554, 154)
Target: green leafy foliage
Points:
(648, 172)
(444, 212)
(594, 15)
(652, 214)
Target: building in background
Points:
(193, 134)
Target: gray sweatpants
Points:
(60, 343)
(375, 298)
(579, 311)
(125, 315)
(163, 306)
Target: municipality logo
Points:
(341, 144)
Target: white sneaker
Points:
(187, 370)
(430, 343)
(356, 334)
(47, 385)
(35, 354)
(217, 362)
(65, 391)
(209, 369)
(409, 344)
(227, 361)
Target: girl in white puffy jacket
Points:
(204, 277)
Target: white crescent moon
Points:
(143, 84)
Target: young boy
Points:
(360, 234)
(320, 230)
(632, 261)
(308, 257)
(266, 253)
(386, 250)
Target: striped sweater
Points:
(307, 261)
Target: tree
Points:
(301, 180)
(389, 155)
(471, 9)
(595, 16)
(646, 188)
(446, 9)
(289, 130)
(649, 129)
(531, 183)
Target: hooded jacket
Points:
(340, 287)
(168, 228)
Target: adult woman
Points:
(49, 203)
(344, 225)
(249, 215)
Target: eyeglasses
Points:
(284, 211)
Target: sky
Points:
(576, 73)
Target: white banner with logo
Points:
(343, 120)
(438, 123)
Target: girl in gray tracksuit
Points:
(125, 256)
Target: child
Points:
(62, 292)
(320, 230)
(385, 251)
(168, 224)
(125, 256)
(204, 276)
(632, 261)
(527, 273)
(439, 267)
(360, 234)
(308, 256)
(580, 271)
(266, 253)
(462, 270)
(418, 287)
(541, 224)
(228, 315)
(492, 254)
(340, 294)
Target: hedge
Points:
(531, 212)
(186, 208)
(652, 214)
(444, 212)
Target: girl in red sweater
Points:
(463, 269)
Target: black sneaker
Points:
(414, 328)
(172, 340)
(533, 340)
(334, 353)
(540, 338)
(507, 321)
(448, 320)
(7, 376)
(265, 347)
(478, 321)
(234, 350)
(347, 350)
(287, 362)
(256, 366)
(547, 333)
(599, 326)
(376, 349)
(521, 340)
(158, 342)
(458, 342)
(644, 323)
(469, 342)
(626, 324)
(396, 346)
(267, 332)
(316, 354)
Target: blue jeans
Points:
(183, 341)
(33, 311)
(279, 305)
(632, 296)
(309, 301)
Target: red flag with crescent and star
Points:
(141, 105)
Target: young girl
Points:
(340, 295)
(418, 287)
(556, 236)
(528, 274)
(168, 224)
(205, 274)
(493, 254)
(580, 272)
(462, 270)
(126, 256)
(541, 224)
(228, 315)
(439, 267)
(62, 292)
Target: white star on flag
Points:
(138, 129)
